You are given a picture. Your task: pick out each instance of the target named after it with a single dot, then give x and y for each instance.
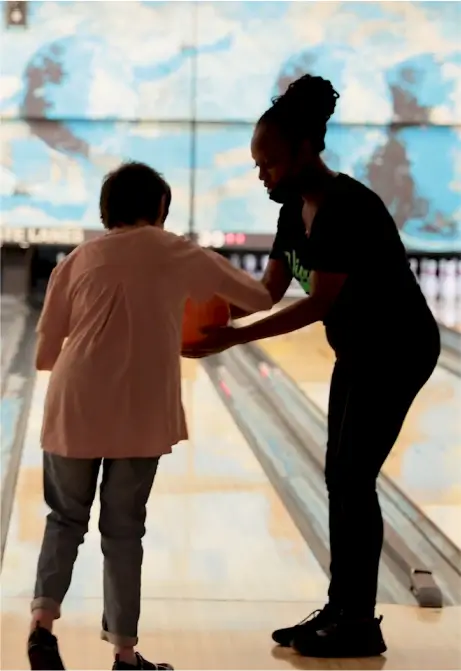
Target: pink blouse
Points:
(115, 390)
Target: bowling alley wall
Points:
(85, 85)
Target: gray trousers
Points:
(70, 488)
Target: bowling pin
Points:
(263, 261)
(449, 280)
(249, 262)
(447, 302)
(235, 260)
(428, 281)
(458, 279)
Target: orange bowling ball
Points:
(197, 316)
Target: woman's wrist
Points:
(242, 334)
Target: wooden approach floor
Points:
(236, 635)
(224, 565)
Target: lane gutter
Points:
(450, 357)
(410, 535)
(16, 399)
(289, 466)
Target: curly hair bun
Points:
(315, 96)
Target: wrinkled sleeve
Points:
(211, 274)
(55, 317)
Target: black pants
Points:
(368, 404)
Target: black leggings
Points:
(367, 408)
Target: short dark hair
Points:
(303, 110)
(132, 192)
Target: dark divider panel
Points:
(44, 259)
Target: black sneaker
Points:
(316, 620)
(43, 650)
(344, 638)
(141, 664)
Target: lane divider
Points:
(420, 541)
(15, 405)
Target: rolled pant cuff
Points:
(45, 603)
(117, 639)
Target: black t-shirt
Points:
(381, 303)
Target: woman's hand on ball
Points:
(216, 340)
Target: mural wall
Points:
(88, 84)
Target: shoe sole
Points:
(377, 652)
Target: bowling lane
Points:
(217, 533)
(426, 461)
(13, 317)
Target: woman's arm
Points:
(242, 290)
(210, 274)
(326, 288)
(47, 351)
(276, 280)
(53, 325)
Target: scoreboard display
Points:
(49, 246)
(27, 236)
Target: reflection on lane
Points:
(426, 461)
(216, 528)
(13, 317)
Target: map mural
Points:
(85, 85)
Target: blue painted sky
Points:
(82, 67)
